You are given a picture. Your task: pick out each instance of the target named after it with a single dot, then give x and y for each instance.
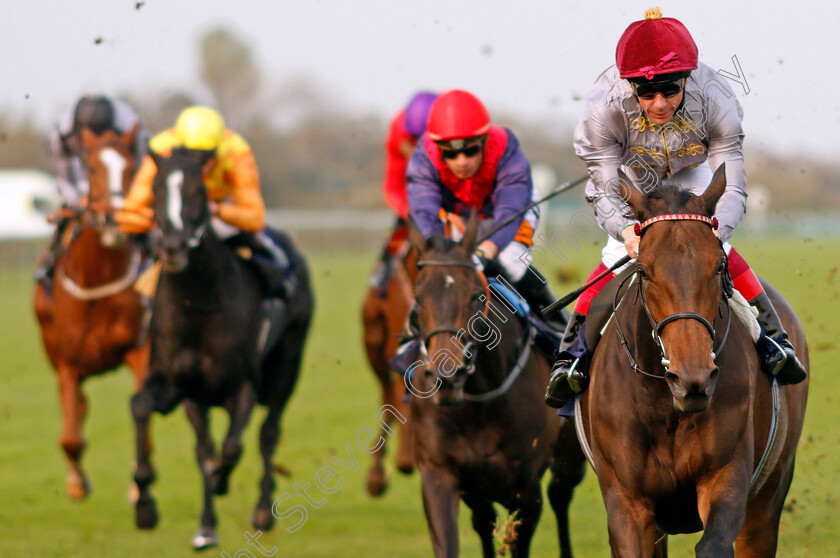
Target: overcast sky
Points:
(528, 57)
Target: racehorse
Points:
(92, 320)
(384, 320)
(481, 431)
(682, 445)
(215, 341)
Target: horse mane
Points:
(440, 243)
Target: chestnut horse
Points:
(678, 413)
(384, 320)
(481, 431)
(92, 321)
(217, 340)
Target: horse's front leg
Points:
(142, 406)
(74, 408)
(722, 504)
(205, 454)
(630, 521)
(239, 408)
(440, 502)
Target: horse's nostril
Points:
(671, 377)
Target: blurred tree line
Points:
(312, 153)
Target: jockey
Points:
(98, 114)
(406, 127)
(233, 188)
(462, 164)
(665, 119)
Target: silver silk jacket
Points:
(615, 132)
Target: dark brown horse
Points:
(92, 321)
(217, 339)
(384, 320)
(481, 431)
(678, 413)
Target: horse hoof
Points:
(205, 537)
(377, 484)
(146, 516)
(79, 489)
(262, 520)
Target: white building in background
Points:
(26, 197)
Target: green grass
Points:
(336, 396)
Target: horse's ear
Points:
(637, 201)
(707, 201)
(470, 232)
(415, 237)
(129, 138)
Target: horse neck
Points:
(89, 263)
(207, 270)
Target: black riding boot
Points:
(777, 354)
(44, 273)
(534, 288)
(568, 375)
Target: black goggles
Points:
(451, 152)
(649, 90)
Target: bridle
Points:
(657, 326)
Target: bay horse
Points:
(481, 431)
(678, 412)
(92, 321)
(383, 321)
(215, 341)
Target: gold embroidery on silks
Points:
(692, 149)
(642, 123)
(647, 151)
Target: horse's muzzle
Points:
(692, 394)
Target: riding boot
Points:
(534, 288)
(569, 373)
(777, 354)
(44, 273)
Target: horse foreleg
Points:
(759, 535)
(205, 453)
(483, 521)
(721, 502)
(138, 360)
(239, 408)
(269, 436)
(405, 452)
(142, 405)
(440, 502)
(567, 472)
(375, 328)
(630, 522)
(74, 408)
(528, 508)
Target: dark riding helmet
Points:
(94, 112)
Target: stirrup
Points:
(783, 363)
(560, 387)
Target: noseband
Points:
(657, 327)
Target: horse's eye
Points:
(642, 273)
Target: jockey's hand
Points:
(631, 241)
(135, 220)
(487, 250)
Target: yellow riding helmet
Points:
(200, 128)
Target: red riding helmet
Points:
(655, 46)
(457, 114)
